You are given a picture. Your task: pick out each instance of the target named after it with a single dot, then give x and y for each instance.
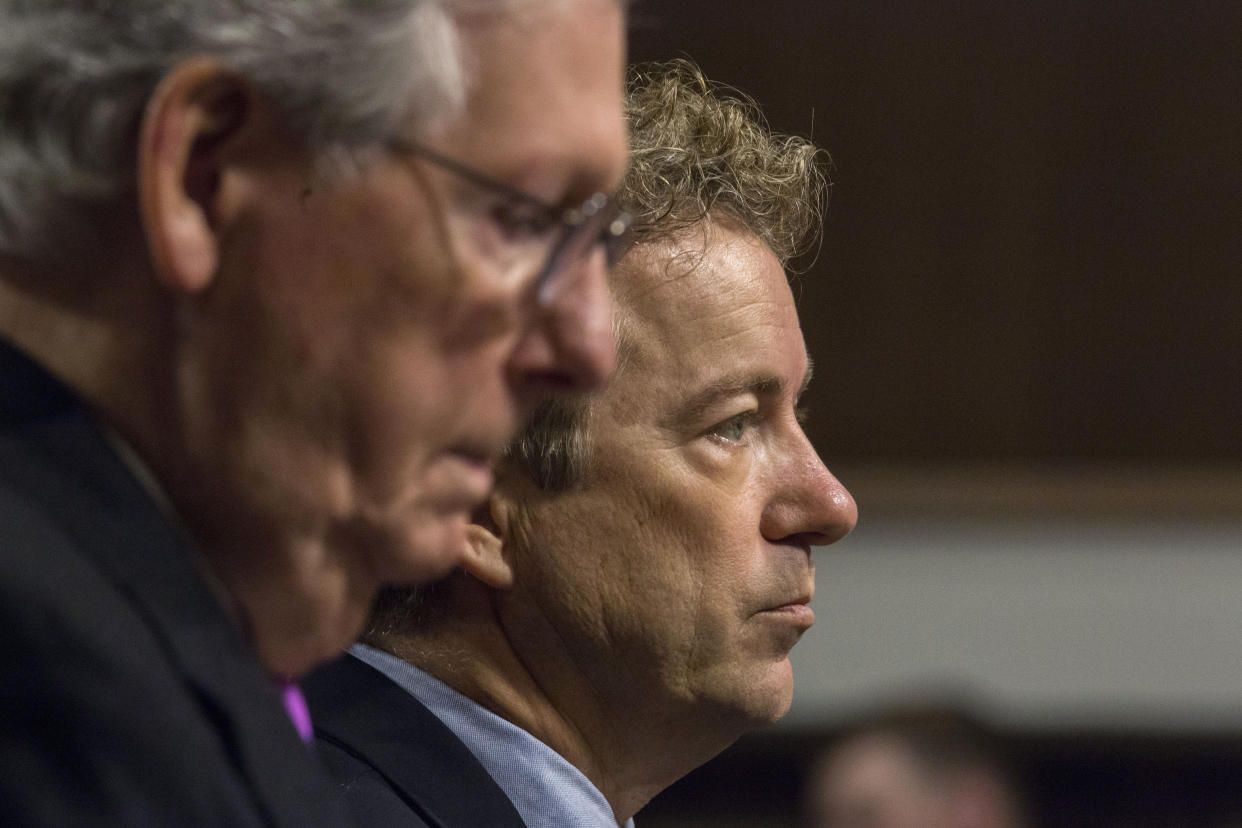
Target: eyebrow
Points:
(732, 385)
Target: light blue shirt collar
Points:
(546, 789)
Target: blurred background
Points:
(1026, 318)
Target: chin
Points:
(770, 708)
(759, 699)
(325, 636)
(773, 693)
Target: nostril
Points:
(809, 540)
(548, 383)
(585, 362)
(812, 515)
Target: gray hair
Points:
(75, 76)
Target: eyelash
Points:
(744, 421)
(747, 419)
(520, 221)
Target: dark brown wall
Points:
(1033, 249)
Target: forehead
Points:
(545, 86)
(711, 303)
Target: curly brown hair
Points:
(699, 148)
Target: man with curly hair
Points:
(634, 586)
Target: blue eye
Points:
(734, 429)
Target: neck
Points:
(629, 750)
(69, 325)
(299, 604)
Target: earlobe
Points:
(197, 106)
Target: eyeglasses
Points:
(521, 233)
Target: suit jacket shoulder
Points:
(128, 696)
(396, 763)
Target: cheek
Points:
(367, 249)
(355, 284)
(722, 474)
(676, 513)
(659, 555)
(592, 553)
(385, 386)
(703, 518)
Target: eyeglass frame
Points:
(614, 235)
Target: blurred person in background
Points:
(634, 586)
(278, 283)
(916, 768)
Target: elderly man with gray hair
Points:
(278, 283)
(633, 588)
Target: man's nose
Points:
(809, 505)
(568, 346)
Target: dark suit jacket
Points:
(397, 764)
(127, 695)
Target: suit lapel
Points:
(370, 716)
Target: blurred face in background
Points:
(876, 781)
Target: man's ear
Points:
(187, 125)
(485, 558)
